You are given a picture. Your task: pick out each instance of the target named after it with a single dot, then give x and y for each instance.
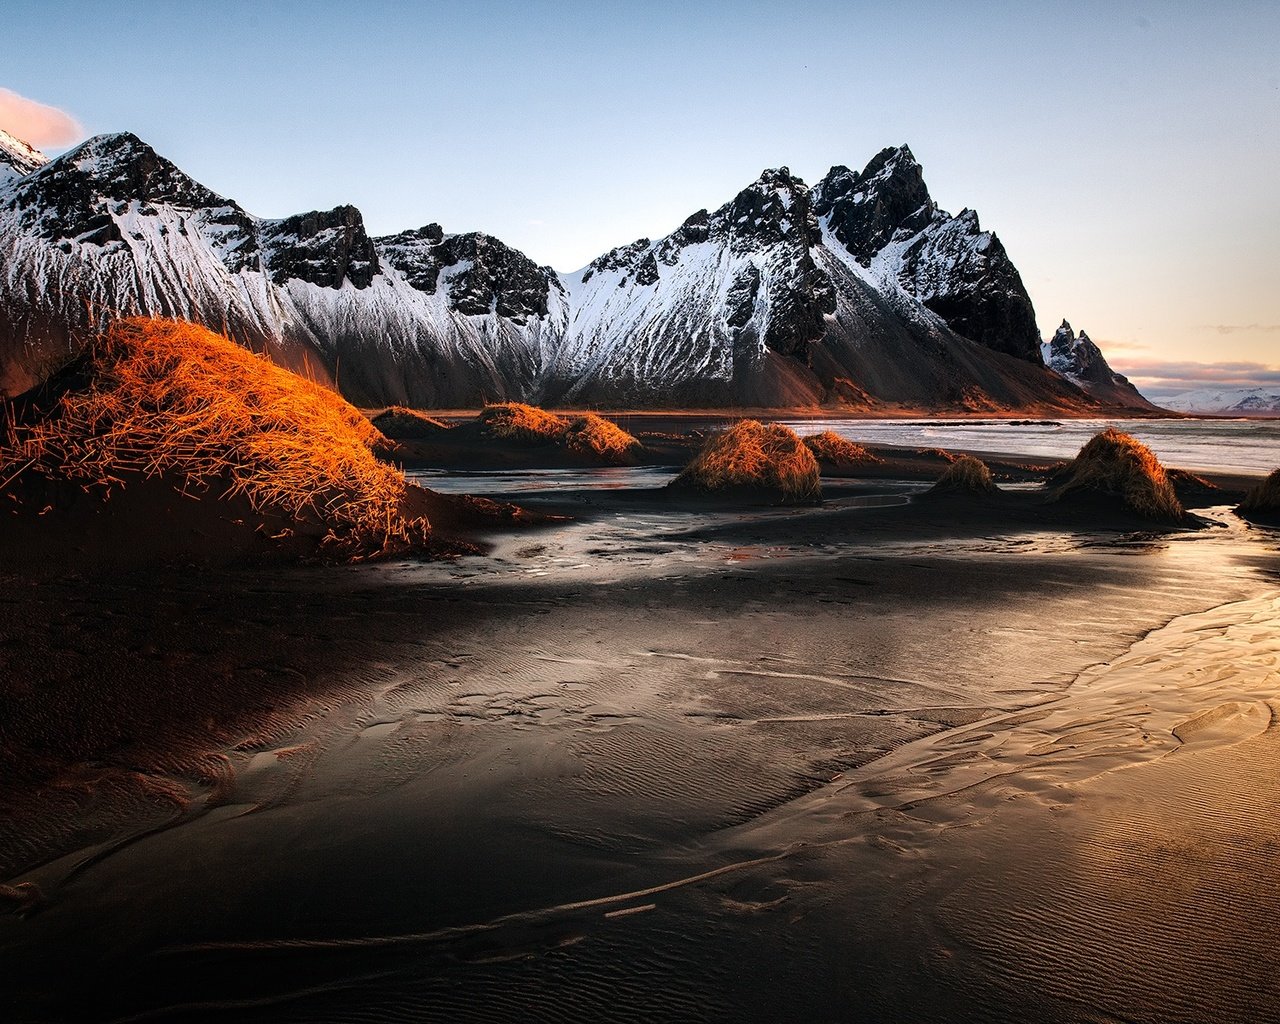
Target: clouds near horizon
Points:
(1168, 377)
(37, 124)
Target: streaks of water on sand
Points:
(1207, 676)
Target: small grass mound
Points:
(589, 436)
(834, 450)
(169, 399)
(525, 424)
(595, 435)
(1119, 466)
(401, 424)
(1262, 503)
(966, 475)
(764, 459)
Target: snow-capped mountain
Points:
(1077, 358)
(859, 291)
(1227, 401)
(112, 227)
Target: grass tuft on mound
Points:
(966, 475)
(831, 448)
(586, 435)
(527, 424)
(1120, 466)
(595, 435)
(167, 398)
(399, 423)
(1263, 501)
(750, 456)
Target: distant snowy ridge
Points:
(1227, 401)
(859, 291)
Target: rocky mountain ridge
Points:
(859, 291)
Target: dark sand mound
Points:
(399, 423)
(754, 460)
(162, 425)
(832, 450)
(1116, 468)
(966, 475)
(1262, 504)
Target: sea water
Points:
(1205, 445)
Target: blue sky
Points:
(1126, 153)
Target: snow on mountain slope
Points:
(859, 291)
(17, 159)
(1227, 401)
(111, 227)
(702, 315)
(763, 303)
(1081, 361)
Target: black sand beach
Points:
(668, 761)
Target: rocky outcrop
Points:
(1078, 359)
(886, 219)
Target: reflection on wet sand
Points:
(659, 764)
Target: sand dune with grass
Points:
(157, 400)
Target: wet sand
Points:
(874, 761)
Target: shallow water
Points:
(531, 481)
(645, 766)
(1229, 446)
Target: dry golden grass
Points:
(1120, 465)
(831, 448)
(169, 398)
(966, 474)
(596, 435)
(513, 421)
(398, 422)
(589, 434)
(755, 456)
(1263, 501)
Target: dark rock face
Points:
(965, 276)
(323, 249)
(949, 263)
(774, 218)
(866, 211)
(492, 277)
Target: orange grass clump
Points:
(1120, 465)
(399, 423)
(1263, 501)
(170, 398)
(835, 450)
(513, 421)
(755, 456)
(602, 437)
(587, 434)
(966, 474)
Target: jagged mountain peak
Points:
(887, 199)
(18, 158)
(1076, 357)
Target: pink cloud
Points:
(38, 124)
